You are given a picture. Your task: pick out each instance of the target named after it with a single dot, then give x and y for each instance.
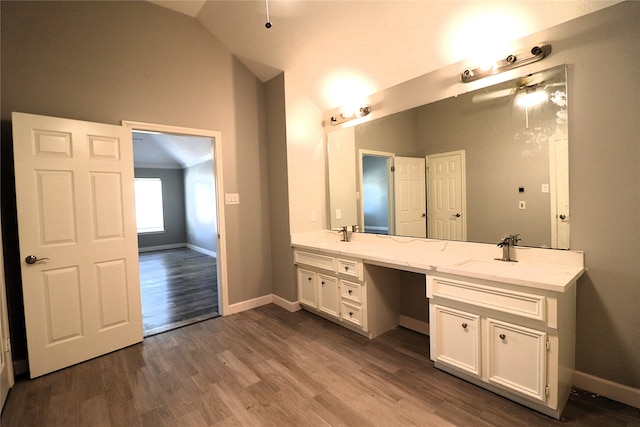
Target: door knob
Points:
(32, 259)
(563, 216)
(457, 215)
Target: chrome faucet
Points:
(505, 244)
(346, 234)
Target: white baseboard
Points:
(414, 324)
(260, 301)
(249, 304)
(614, 391)
(286, 304)
(202, 250)
(162, 247)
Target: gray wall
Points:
(283, 272)
(112, 61)
(173, 207)
(200, 205)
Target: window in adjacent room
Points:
(149, 215)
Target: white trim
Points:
(202, 250)
(250, 304)
(414, 324)
(223, 294)
(162, 247)
(618, 392)
(290, 306)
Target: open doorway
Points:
(177, 219)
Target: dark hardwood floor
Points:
(270, 367)
(178, 287)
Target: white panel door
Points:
(76, 215)
(447, 216)
(6, 369)
(410, 197)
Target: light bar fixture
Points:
(515, 60)
(345, 116)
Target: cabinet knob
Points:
(350, 291)
(323, 283)
(502, 336)
(464, 326)
(346, 268)
(350, 313)
(309, 278)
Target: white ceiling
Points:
(337, 52)
(165, 151)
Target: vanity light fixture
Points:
(515, 60)
(350, 115)
(532, 97)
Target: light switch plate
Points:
(232, 199)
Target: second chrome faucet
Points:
(506, 244)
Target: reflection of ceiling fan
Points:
(527, 84)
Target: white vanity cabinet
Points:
(342, 290)
(324, 288)
(516, 341)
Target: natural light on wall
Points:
(484, 32)
(148, 195)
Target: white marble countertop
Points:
(546, 269)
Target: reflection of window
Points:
(149, 214)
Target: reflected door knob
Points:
(457, 215)
(563, 216)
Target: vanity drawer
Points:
(351, 291)
(353, 314)
(350, 267)
(315, 260)
(519, 303)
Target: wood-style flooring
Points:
(178, 287)
(269, 367)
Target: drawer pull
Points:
(464, 326)
(346, 268)
(350, 291)
(350, 313)
(502, 336)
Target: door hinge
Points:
(548, 345)
(6, 345)
(393, 168)
(546, 390)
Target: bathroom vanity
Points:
(505, 326)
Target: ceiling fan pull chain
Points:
(268, 24)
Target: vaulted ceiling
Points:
(339, 51)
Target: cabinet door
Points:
(517, 358)
(307, 288)
(457, 339)
(329, 301)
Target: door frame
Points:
(6, 378)
(216, 136)
(390, 184)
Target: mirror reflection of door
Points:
(447, 200)
(376, 202)
(410, 196)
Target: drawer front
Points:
(517, 358)
(457, 338)
(351, 291)
(349, 267)
(353, 314)
(316, 260)
(507, 301)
